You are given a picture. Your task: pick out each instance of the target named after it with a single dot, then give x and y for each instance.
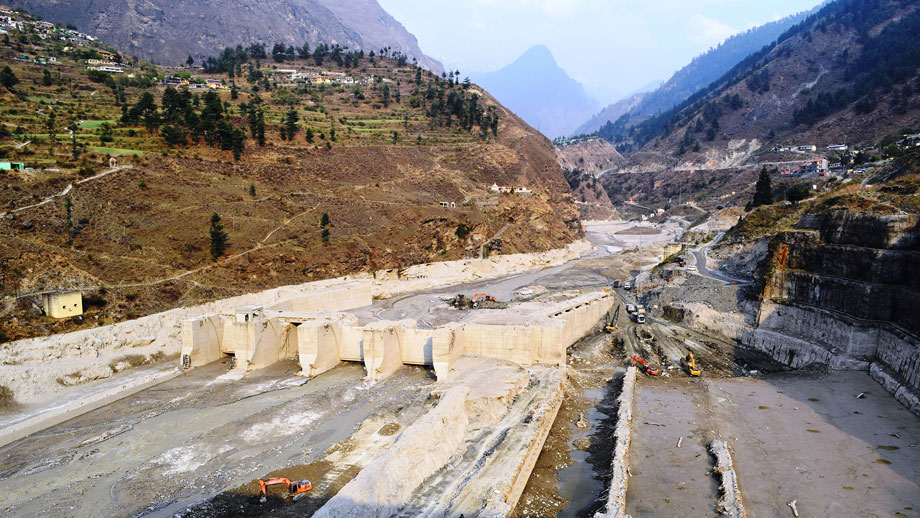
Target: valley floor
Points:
(195, 445)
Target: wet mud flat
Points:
(668, 457)
(809, 437)
(167, 448)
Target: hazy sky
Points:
(612, 46)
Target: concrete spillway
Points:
(526, 334)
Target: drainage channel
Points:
(572, 474)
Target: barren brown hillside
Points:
(136, 239)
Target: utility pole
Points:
(640, 254)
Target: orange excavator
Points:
(297, 489)
(650, 368)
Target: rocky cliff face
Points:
(168, 31)
(843, 292)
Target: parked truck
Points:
(640, 315)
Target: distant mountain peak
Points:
(536, 88)
(539, 53)
(538, 57)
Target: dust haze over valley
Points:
(489, 259)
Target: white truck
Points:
(640, 314)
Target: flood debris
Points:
(730, 504)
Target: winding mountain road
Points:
(703, 269)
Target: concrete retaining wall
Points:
(356, 295)
(422, 449)
(524, 334)
(905, 395)
(820, 327)
(505, 497)
(847, 296)
(799, 336)
(616, 498)
(543, 335)
(900, 353)
(66, 410)
(30, 367)
(201, 340)
(349, 339)
(444, 352)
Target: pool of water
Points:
(583, 482)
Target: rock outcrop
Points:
(842, 292)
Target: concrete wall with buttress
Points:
(257, 337)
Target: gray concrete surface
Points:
(809, 438)
(667, 480)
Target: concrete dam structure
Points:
(314, 329)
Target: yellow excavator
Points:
(610, 323)
(690, 364)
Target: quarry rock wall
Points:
(844, 292)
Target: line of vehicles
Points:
(637, 313)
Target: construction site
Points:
(596, 381)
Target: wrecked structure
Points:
(322, 335)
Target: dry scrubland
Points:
(137, 241)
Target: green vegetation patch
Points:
(116, 151)
(91, 125)
(375, 121)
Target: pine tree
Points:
(238, 143)
(52, 129)
(7, 78)
(290, 123)
(218, 237)
(260, 129)
(763, 191)
(324, 220)
(74, 145)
